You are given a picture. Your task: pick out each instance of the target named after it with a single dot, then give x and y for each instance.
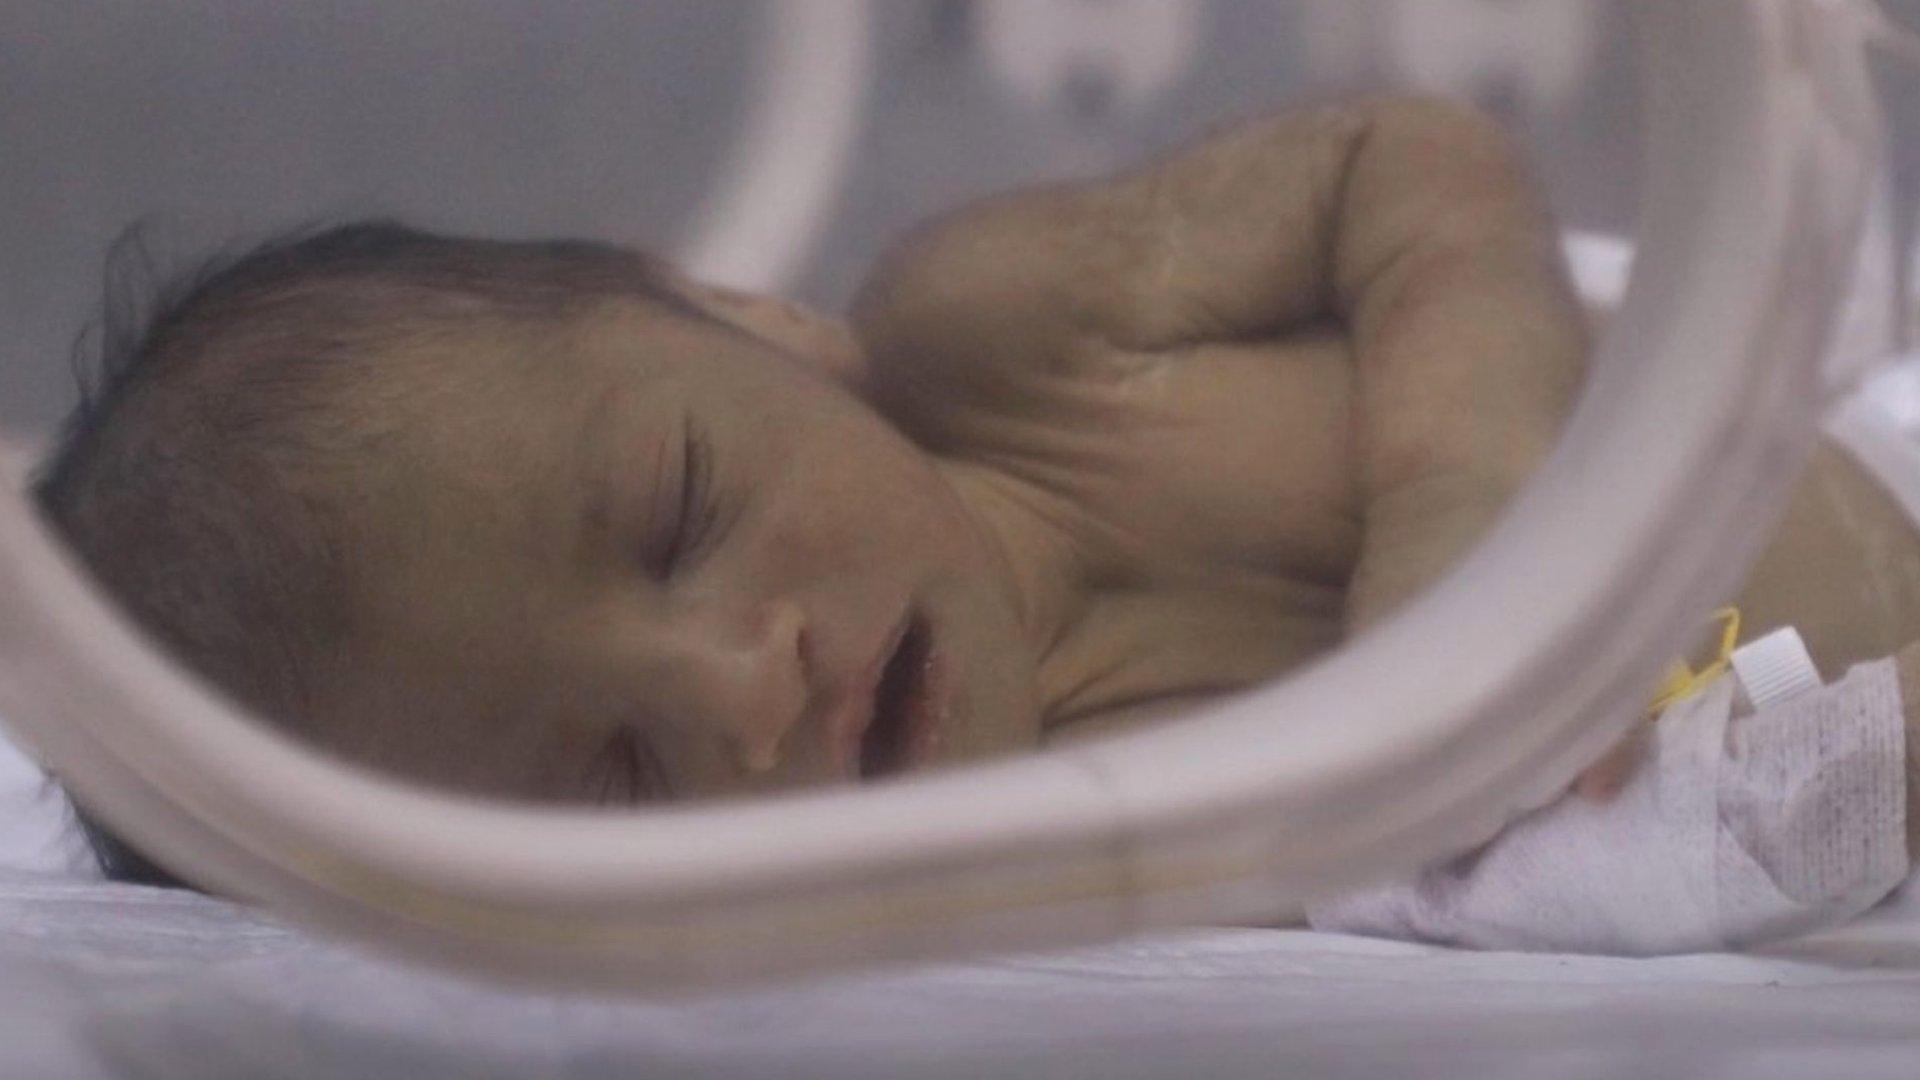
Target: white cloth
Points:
(37, 829)
(99, 980)
(1731, 831)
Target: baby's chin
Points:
(998, 712)
(1007, 728)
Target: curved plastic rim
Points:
(789, 160)
(1484, 696)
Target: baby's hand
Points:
(1410, 226)
(1605, 778)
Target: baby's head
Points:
(540, 521)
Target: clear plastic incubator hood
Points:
(1730, 150)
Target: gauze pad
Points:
(1729, 832)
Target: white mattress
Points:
(115, 980)
(36, 828)
(100, 979)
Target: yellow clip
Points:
(1681, 681)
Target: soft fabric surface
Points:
(36, 827)
(104, 980)
(1731, 830)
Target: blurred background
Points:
(219, 122)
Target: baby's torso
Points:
(1217, 485)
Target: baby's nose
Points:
(748, 680)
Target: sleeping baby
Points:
(549, 521)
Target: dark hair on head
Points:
(200, 476)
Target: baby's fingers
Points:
(1605, 778)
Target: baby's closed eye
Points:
(681, 517)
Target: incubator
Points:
(1723, 170)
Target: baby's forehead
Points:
(510, 427)
(504, 382)
(505, 430)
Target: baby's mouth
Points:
(906, 706)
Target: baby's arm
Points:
(1410, 224)
(1469, 343)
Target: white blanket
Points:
(1731, 831)
(36, 827)
(102, 980)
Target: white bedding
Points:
(115, 980)
(100, 979)
(36, 829)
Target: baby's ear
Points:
(818, 340)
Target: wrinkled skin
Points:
(1117, 442)
(1259, 392)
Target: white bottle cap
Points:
(1775, 668)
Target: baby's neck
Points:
(1042, 563)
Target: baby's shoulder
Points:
(1237, 450)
